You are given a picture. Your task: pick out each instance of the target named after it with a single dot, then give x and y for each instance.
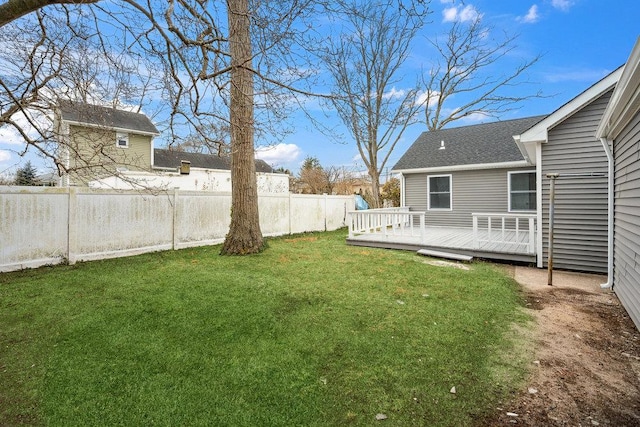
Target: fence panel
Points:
(33, 227)
(48, 225)
(108, 224)
(201, 218)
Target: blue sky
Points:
(581, 41)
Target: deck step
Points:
(448, 255)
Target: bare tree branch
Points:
(10, 10)
(468, 64)
(365, 68)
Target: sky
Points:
(581, 41)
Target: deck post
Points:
(351, 218)
(532, 236)
(476, 243)
(423, 231)
(384, 224)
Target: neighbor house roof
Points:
(163, 158)
(466, 147)
(80, 113)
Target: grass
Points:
(310, 332)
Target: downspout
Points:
(610, 190)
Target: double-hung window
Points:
(439, 189)
(522, 191)
(122, 140)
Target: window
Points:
(522, 191)
(439, 189)
(122, 140)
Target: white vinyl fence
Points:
(44, 225)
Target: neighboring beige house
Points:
(105, 147)
(97, 141)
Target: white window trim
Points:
(122, 135)
(509, 190)
(450, 208)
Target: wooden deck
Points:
(501, 245)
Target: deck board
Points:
(450, 238)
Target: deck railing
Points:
(492, 232)
(518, 230)
(387, 222)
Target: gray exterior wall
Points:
(482, 190)
(626, 266)
(580, 220)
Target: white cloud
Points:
(460, 14)
(449, 14)
(279, 154)
(423, 97)
(9, 135)
(532, 15)
(563, 5)
(395, 93)
(477, 117)
(559, 76)
(4, 156)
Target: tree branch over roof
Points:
(465, 67)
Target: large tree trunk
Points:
(244, 235)
(375, 188)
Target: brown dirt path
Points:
(586, 366)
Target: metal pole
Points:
(552, 196)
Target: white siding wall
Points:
(580, 220)
(197, 180)
(48, 225)
(473, 191)
(626, 270)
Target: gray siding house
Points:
(451, 173)
(620, 129)
(565, 143)
(502, 167)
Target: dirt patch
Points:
(586, 366)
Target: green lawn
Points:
(311, 332)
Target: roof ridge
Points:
(493, 122)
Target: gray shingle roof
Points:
(467, 145)
(164, 158)
(108, 117)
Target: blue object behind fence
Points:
(360, 203)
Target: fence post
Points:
(174, 225)
(325, 211)
(72, 225)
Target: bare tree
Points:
(218, 141)
(55, 56)
(210, 55)
(312, 176)
(365, 66)
(470, 64)
(340, 180)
